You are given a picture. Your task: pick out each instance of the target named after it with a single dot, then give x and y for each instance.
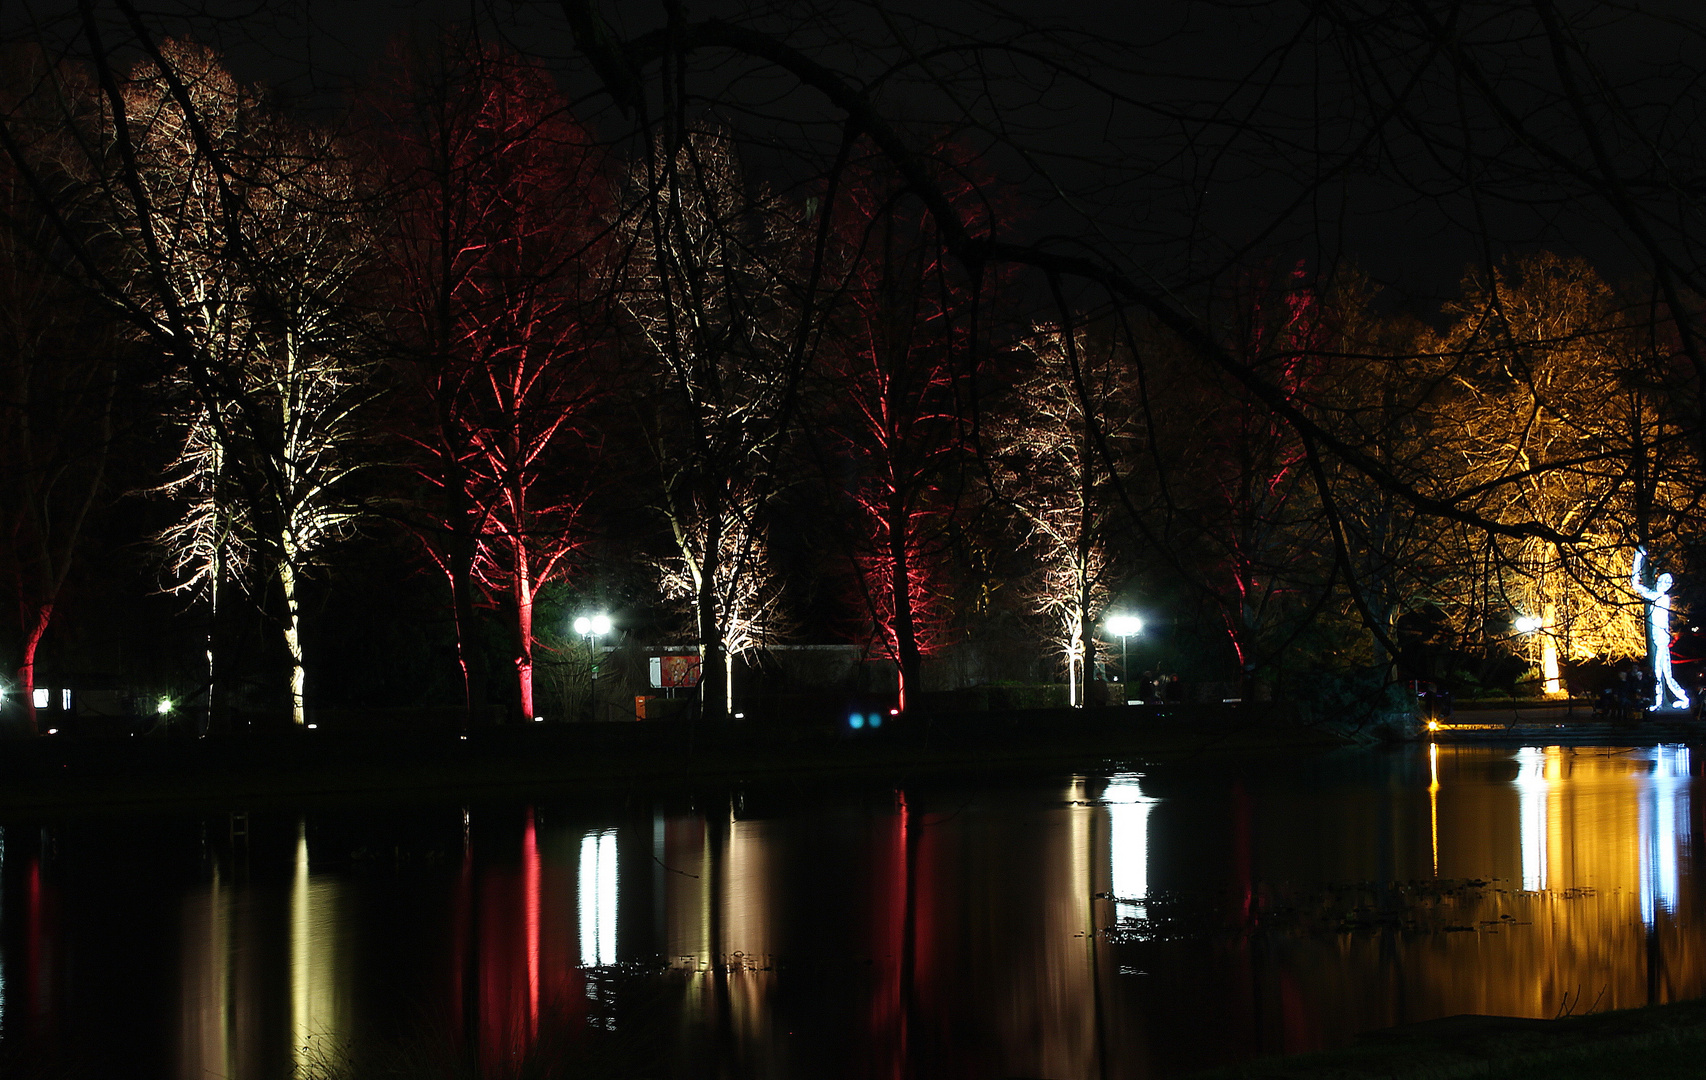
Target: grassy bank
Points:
(1661, 1042)
(56, 772)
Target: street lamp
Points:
(1125, 626)
(592, 628)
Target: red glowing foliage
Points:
(901, 374)
(496, 257)
(1259, 475)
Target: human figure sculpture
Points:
(1658, 619)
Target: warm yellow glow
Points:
(315, 998)
(1433, 725)
(1433, 797)
(1549, 652)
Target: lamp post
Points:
(592, 628)
(1125, 626)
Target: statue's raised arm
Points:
(1635, 576)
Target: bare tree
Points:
(708, 287)
(1046, 463)
(58, 377)
(499, 277)
(1554, 413)
(267, 454)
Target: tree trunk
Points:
(293, 638)
(907, 656)
(713, 685)
(34, 628)
(524, 630)
(459, 565)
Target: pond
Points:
(1132, 922)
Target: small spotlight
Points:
(538, 719)
(1527, 624)
(856, 721)
(464, 738)
(164, 708)
(894, 712)
(740, 716)
(313, 727)
(53, 731)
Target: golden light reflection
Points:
(1433, 800)
(206, 1033)
(317, 997)
(1014, 936)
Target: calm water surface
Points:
(1137, 923)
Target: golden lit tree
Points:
(1557, 414)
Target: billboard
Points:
(673, 671)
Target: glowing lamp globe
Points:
(1527, 624)
(583, 626)
(601, 625)
(1125, 625)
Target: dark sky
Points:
(1196, 148)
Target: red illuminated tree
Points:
(497, 269)
(1260, 534)
(900, 402)
(58, 375)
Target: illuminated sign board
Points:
(673, 671)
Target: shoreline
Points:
(52, 774)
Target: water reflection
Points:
(1124, 925)
(1128, 845)
(317, 972)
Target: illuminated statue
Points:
(1658, 618)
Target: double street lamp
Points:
(592, 628)
(1125, 626)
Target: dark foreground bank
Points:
(110, 772)
(1659, 1042)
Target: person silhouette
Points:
(1658, 618)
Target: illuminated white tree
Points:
(707, 288)
(244, 240)
(747, 594)
(1048, 465)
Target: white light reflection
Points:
(1128, 843)
(1531, 785)
(598, 898)
(1664, 828)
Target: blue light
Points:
(856, 721)
(876, 720)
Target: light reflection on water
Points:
(1132, 924)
